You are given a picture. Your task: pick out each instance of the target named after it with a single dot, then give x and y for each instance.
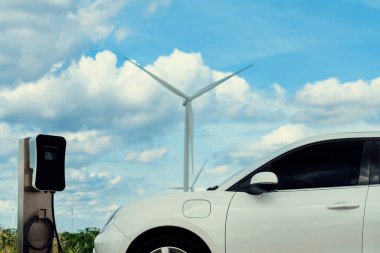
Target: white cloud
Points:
(332, 92)
(147, 156)
(284, 135)
(185, 71)
(69, 95)
(90, 142)
(277, 138)
(333, 101)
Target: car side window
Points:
(328, 164)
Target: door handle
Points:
(343, 206)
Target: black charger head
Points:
(47, 159)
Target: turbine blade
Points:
(216, 83)
(199, 173)
(162, 82)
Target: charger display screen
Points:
(50, 156)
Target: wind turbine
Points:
(189, 138)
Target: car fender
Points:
(168, 211)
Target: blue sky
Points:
(315, 70)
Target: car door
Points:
(318, 207)
(371, 233)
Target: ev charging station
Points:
(41, 173)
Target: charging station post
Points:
(40, 174)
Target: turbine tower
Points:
(189, 138)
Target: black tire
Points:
(175, 244)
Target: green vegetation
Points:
(8, 240)
(79, 242)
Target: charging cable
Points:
(55, 227)
(49, 243)
(52, 228)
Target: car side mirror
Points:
(263, 182)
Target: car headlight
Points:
(110, 219)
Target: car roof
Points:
(309, 140)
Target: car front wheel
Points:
(172, 244)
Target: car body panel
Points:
(296, 221)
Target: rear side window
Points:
(329, 164)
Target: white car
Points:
(319, 194)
